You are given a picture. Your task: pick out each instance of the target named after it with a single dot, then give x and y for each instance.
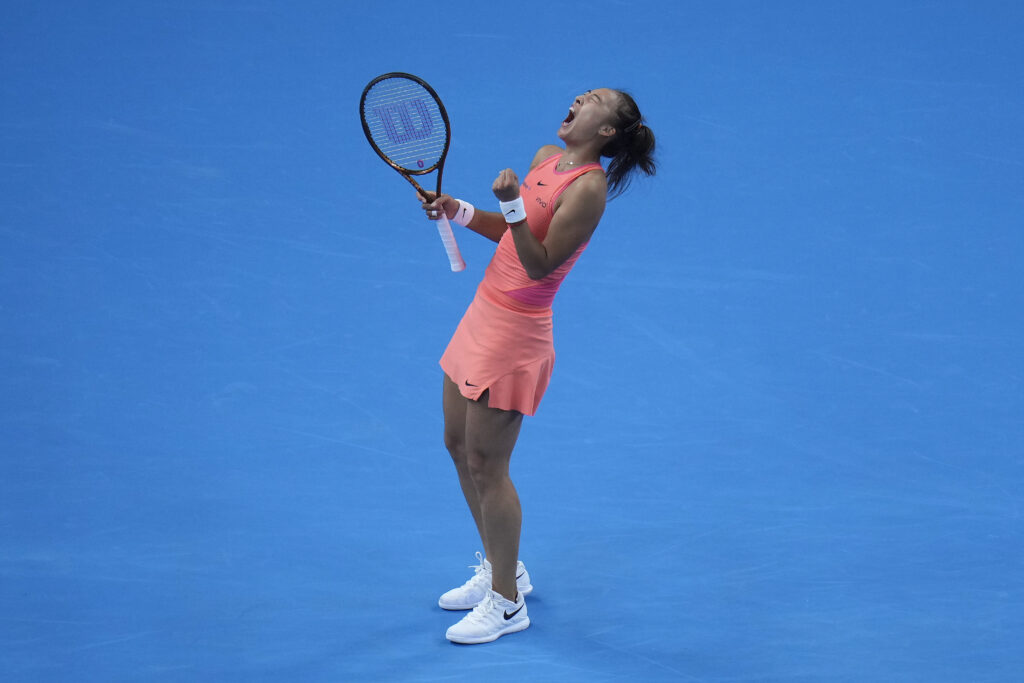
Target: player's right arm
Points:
(490, 224)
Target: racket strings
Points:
(406, 124)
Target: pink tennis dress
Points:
(504, 342)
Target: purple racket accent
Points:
(404, 120)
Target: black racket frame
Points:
(406, 173)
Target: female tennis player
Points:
(500, 358)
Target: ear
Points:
(607, 131)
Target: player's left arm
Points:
(490, 224)
(576, 215)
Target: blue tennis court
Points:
(784, 440)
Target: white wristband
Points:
(513, 211)
(464, 215)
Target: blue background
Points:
(785, 436)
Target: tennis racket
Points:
(407, 126)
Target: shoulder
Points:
(592, 185)
(544, 153)
(590, 190)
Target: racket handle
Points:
(444, 228)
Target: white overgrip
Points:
(444, 228)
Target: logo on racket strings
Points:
(405, 121)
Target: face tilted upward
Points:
(592, 113)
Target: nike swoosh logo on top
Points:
(541, 182)
(509, 616)
(471, 385)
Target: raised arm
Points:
(487, 223)
(490, 224)
(576, 215)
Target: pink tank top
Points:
(505, 278)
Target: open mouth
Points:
(570, 117)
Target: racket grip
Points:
(444, 228)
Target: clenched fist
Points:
(506, 186)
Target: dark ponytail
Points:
(630, 149)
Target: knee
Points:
(456, 445)
(483, 470)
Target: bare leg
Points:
(454, 405)
(490, 436)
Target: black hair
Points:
(631, 149)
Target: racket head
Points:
(405, 123)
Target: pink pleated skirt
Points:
(503, 347)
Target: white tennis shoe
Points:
(471, 593)
(492, 618)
